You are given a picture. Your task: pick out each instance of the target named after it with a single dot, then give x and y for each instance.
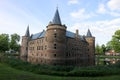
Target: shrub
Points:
(61, 70)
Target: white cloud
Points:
(73, 2)
(116, 14)
(81, 14)
(114, 4)
(102, 30)
(101, 9)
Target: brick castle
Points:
(58, 46)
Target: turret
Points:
(91, 47)
(56, 37)
(24, 45)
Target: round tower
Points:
(55, 41)
(91, 47)
(24, 45)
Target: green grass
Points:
(8, 73)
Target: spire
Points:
(27, 32)
(89, 33)
(56, 19)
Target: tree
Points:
(100, 49)
(4, 42)
(97, 49)
(108, 46)
(14, 43)
(103, 48)
(115, 42)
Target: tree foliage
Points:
(7, 42)
(115, 42)
(100, 49)
(14, 43)
(4, 42)
(108, 46)
(103, 47)
(97, 49)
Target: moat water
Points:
(106, 61)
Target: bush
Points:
(61, 70)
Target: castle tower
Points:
(91, 48)
(55, 41)
(24, 45)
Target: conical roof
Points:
(89, 33)
(56, 19)
(27, 32)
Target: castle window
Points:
(88, 49)
(42, 40)
(54, 55)
(41, 47)
(45, 54)
(66, 54)
(37, 54)
(41, 61)
(41, 54)
(45, 47)
(37, 47)
(55, 35)
(46, 38)
(54, 46)
(26, 48)
(39, 41)
(36, 60)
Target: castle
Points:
(58, 46)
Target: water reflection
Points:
(110, 61)
(106, 61)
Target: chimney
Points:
(77, 33)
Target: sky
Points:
(102, 17)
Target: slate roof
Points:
(89, 33)
(38, 35)
(27, 32)
(68, 34)
(56, 19)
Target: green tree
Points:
(4, 42)
(108, 46)
(103, 49)
(115, 42)
(97, 49)
(100, 49)
(14, 43)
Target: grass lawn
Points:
(8, 73)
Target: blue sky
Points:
(102, 17)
